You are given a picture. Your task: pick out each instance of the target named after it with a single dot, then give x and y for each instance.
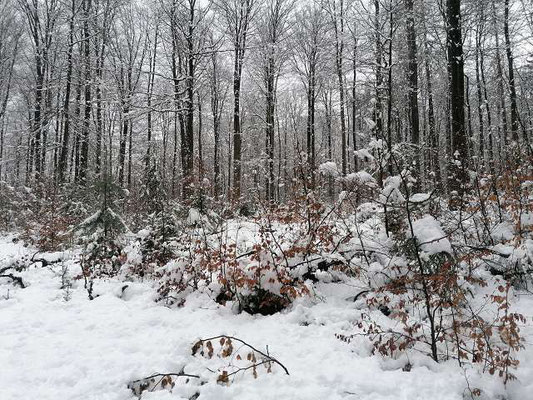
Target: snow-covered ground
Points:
(56, 344)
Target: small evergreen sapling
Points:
(99, 233)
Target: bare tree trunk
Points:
(66, 103)
(3, 106)
(187, 144)
(273, 30)
(176, 74)
(339, 50)
(216, 111)
(378, 108)
(459, 164)
(238, 15)
(237, 139)
(515, 117)
(489, 143)
(84, 156)
(130, 148)
(329, 133)
(354, 104)
(37, 117)
(57, 139)
(469, 117)
(311, 97)
(200, 146)
(479, 87)
(151, 78)
(433, 134)
(100, 48)
(100, 52)
(122, 142)
(499, 72)
(389, 90)
(41, 26)
(75, 159)
(412, 77)
(269, 117)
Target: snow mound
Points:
(361, 177)
(328, 168)
(503, 231)
(419, 197)
(432, 239)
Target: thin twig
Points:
(269, 358)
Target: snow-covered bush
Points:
(100, 233)
(19, 210)
(102, 258)
(10, 206)
(104, 222)
(154, 246)
(434, 289)
(262, 264)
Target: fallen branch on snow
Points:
(16, 279)
(267, 358)
(157, 382)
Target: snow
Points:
(430, 236)
(391, 192)
(364, 154)
(361, 177)
(194, 216)
(503, 231)
(419, 197)
(96, 221)
(328, 169)
(51, 348)
(526, 219)
(369, 122)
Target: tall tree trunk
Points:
(123, 140)
(378, 108)
(216, 113)
(412, 75)
(57, 138)
(469, 117)
(489, 144)
(37, 117)
(99, 106)
(389, 90)
(237, 139)
(66, 103)
(176, 60)
(3, 106)
(242, 9)
(130, 149)
(84, 156)
(354, 103)
(459, 164)
(269, 128)
(499, 73)
(434, 141)
(29, 158)
(311, 97)
(75, 158)
(515, 117)
(151, 79)
(479, 88)
(339, 50)
(188, 143)
(329, 133)
(100, 50)
(200, 145)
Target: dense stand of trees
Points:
(233, 97)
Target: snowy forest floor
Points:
(56, 344)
